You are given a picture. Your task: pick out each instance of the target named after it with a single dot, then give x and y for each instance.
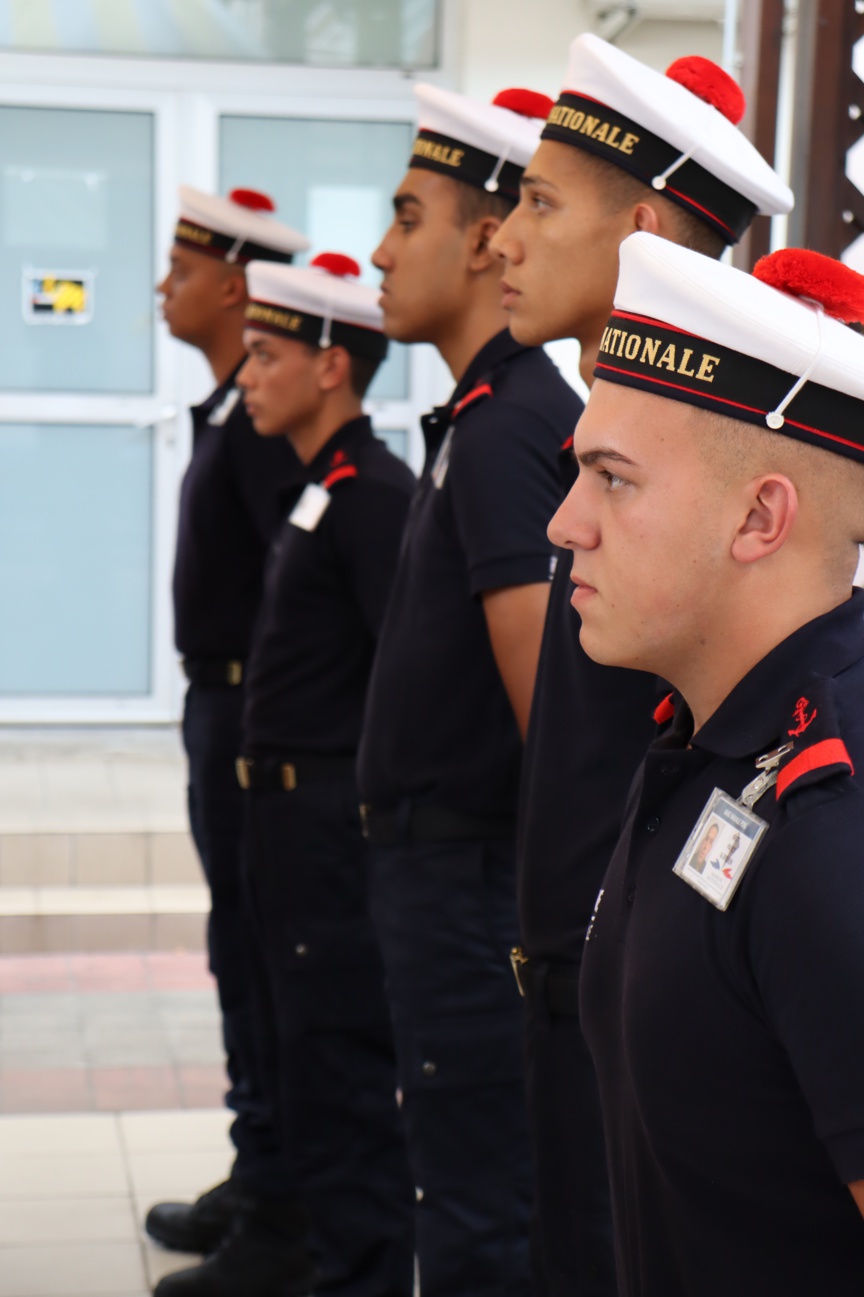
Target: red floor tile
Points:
(186, 971)
(203, 1087)
(21, 974)
(122, 1088)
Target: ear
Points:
(645, 218)
(480, 235)
(234, 287)
(772, 508)
(333, 368)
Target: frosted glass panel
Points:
(333, 180)
(75, 559)
(332, 33)
(76, 250)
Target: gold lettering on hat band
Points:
(442, 153)
(573, 119)
(193, 233)
(652, 353)
(286, 320)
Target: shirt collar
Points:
(755, 715)
(493, 353)
(354, 433)
(216, 397)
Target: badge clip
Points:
(724, 838)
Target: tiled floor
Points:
(108, 1033)
(74, 1190)
(92, 781)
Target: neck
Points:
(224, 352)
(310, 437)
(480, 320)
(725, 655)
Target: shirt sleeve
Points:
(368, 523)
(806, 947)
(504, 487)
(263, 469)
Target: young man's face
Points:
(424, 259)
(649, 529)
(193, 293)
(560, 247)
(279, 383)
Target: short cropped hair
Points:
(473, 204)
(621, 190)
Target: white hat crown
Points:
(239, 227)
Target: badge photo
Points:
(719, 849)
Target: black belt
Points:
(430, 824)
(270, 772)
(213, 671)
(559, 991)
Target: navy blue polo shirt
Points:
(729, 1046)
(590, 728)
(324, 601)
(439, 727)
(229, 509)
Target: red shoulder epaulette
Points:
(818, 751)
(476, 394)
(340, 469)
(665, 710)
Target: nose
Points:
(504, 242)
(243, 379)
(572, 526)
(381, 258)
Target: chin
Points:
(608, 652)
(530, 335)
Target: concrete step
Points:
(41, 920)
(98, 859)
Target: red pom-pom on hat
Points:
(839, 289)
(709, 82)
(336, 263)
(527, 103)
(253, 199)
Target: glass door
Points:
(86, 421)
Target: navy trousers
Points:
(573, 1244)
(446, 921)
(211, 736)
(330, 1069)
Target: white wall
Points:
(525, 43)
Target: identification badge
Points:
(725, 836)
(310, 508)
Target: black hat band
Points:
(214, 244)
(463, 162)
(655, 357)
(588, 124)
(366, 344)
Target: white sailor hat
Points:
(238, 228)
(769, 348)
(677, 133)
(484, 145)
(322, 304)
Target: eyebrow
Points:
(591, 457)
(403, 200)
(528, 180)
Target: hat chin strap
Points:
(491, 185)
(659, 182)
(775, 418)
(324, 341)
(234, 251)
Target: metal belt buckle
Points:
(364, 818)
(241, 765)
(289, 777)
(235, 673)
(518, 960)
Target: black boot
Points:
(199, 1226)
(265, 1256)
